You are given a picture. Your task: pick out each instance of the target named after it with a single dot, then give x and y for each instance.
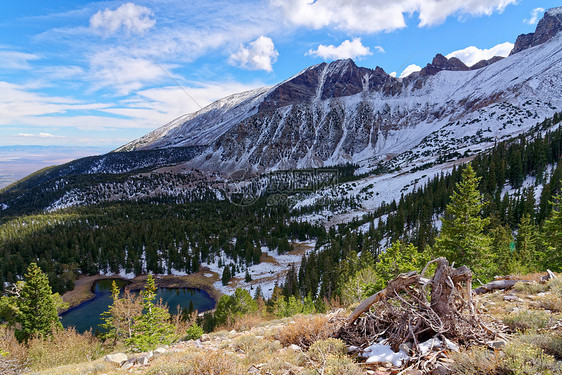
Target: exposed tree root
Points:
(413, 309)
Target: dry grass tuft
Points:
(13, 355)
(247, 322)
(63, 347)
(196, 363)
(306, 330)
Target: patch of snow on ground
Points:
(378, 353)
(265, 274)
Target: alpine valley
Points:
(279, 185)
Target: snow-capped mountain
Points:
(337, 113)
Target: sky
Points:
(100, 74)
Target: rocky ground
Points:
(530, 315)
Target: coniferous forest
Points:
(160, 236)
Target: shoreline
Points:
(82, 291)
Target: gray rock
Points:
(496, 344)
(143, 361)
(127, 365)
(294, 347)
(510, 298)
(118, 358)
(159, 351)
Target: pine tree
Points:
(462, 239)
(153, 328)
(552, 237)
(37, 311)
(526, 245)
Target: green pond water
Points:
(87, 315)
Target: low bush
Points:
(193, 332)
(530, 288)
(549, 343)
(522, 358)
(525, 320)
(550, 302)
(475, 361)
(321, 350)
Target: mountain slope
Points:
(337, 113)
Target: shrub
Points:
(551, 302)
(522, 358)
(62, 347)
(527, 320)
(255, 349)
(336, 365)
(549, 343)
(530, 288)
(306, 330)
(475, 361)
(194, 332)
(321, 350)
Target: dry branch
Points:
(413, 309)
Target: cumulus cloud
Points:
(471, 55)
(535, 13)
(129, 17)
(16, 60)
(409, 70)
(347, 49)
(257, 55)
(380, 15)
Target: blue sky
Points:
(78, 73)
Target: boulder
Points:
(117, 358)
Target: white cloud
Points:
(379, 49)
(347, 49)
(393, 74)
(471, 55)
(124, 73)
(40, 135)
(409, 70)
(535, 13)
(258, 55)
(16, 60)
(380, 15)
(129, 17)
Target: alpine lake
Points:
(87, 315)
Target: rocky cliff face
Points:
(547, 28)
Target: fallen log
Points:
(497, 285)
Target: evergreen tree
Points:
(153, 328)
(552, 237)
(37, 311)
(462, 239)
(526, 245)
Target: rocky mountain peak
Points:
(548, 27)
(324, 81)
(440, 63)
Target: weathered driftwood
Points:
(496, 285)
(549, 276)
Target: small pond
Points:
(87, 315)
